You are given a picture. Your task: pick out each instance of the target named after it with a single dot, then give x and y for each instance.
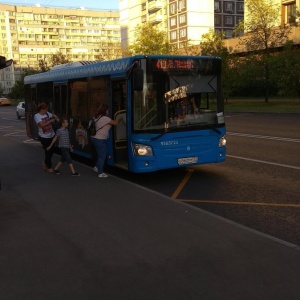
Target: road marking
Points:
(16, 133)
(182, 183)
(241, 203)
(264, 162)
(256, 136)
(31, 141)
(190, 172)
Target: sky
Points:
(88, 4)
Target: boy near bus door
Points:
(62, 135)
(44, 120)
(103, 125)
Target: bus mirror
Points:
(138, 79)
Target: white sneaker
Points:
(102, 175)
(95, 169)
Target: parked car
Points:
(20, 110)
(4, 101)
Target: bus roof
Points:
(83, 69)
(72, 71)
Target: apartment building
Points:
(287, 17)
(32, 33)
(185, 21)
(227, 15)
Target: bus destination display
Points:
(176, 64)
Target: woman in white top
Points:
(44, 120)
(103, 125)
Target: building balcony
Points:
(155, 19)
(154, 6)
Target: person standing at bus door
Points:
(44, 120)
(62, 135)
(103, 126)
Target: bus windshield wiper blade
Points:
(170, 129)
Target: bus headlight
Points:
(142, 150)
(222, 141)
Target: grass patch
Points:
(259, 105)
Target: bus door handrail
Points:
(146, 115)
(116, 139)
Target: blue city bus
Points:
(172, 108)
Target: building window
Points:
(217, 6)
(239, 19)
(218, 20)
(182, 33)
(228, 33)
(291, 13)
(182, 19)
(173, 22)
(173, 8)
(240, 7)
(228, 20)
(181, 5)
(228, 7)
(173, 35)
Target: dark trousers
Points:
(48, 153)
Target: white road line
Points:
(256, 136)
(14, 133)
(264, 162)
(31, 141)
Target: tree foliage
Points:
(263, 33)
(17, 92)
(56, 59)
(285, 71)
(149, 40)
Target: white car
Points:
(21, 110)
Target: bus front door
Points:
(120, 141)
(120, 132)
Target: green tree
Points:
(187, 49)
(212, 44)
(247, 76)
(56, 59)
(43, 65)
(263, 33)
(17, 91)
(285, 71)
(109, 50)
(149, 40)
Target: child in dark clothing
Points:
(62, 135)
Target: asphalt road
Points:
(64, 237)
(258, 185)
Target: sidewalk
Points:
(64, 237)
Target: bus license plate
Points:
(187, 160)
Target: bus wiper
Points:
(170, 129)
(217, 130)
(162, 134)
(174, 128)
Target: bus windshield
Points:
(178, 94)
